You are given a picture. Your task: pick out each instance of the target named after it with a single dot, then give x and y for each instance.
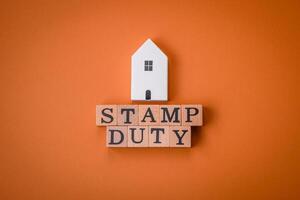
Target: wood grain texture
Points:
(138, 136)
(106, 115)
(170, 114)
(116, 136)
(180, 136)
(149, 115)
(128, 115)
(158, 136)
(192, 115)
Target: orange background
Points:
(240, 60)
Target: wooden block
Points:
(191, 115)
(170, 114)
(158, 136)
(128, 115)
(106, 115)
(148, 114)
(138, 136)
(180, 136)
(116, 136)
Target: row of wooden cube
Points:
(148, 136)
(185, 115)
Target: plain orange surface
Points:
(240, 59)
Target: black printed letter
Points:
(149, 114)
(189, 114)
(174, 114)
(107, 115)
(127, 116)
(112, 137)
(157, 131)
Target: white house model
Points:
(149, 73)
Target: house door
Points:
(148, 95)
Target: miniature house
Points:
(149, 73)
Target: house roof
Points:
(149, 46)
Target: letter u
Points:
(133, 138)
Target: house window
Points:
(148, 65)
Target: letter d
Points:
(115, 139)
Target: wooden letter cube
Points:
(148, 114)
(106, 115)
(170, 115)
(180, 136)
(138, 136)
(128, 115)
(158, 136)
(116, 136)
(191, 115)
